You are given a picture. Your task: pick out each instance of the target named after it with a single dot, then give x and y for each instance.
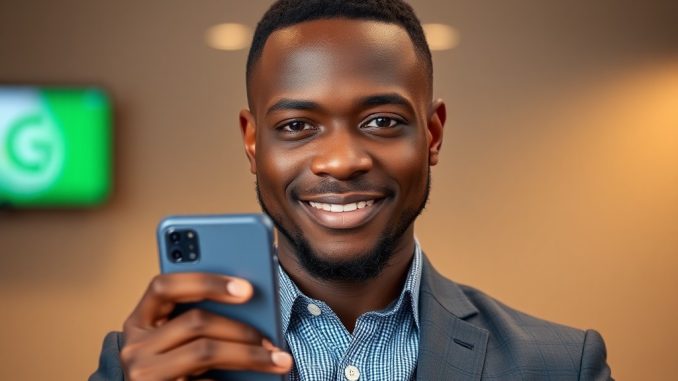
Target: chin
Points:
(344, 261)
(341, 252)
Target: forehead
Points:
(339, 56)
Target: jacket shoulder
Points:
(110, 368)
(524, 345)
(505, 321)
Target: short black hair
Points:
(284, 13)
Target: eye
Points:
(296, 126)
(381, 122)
(385, 126)
(296, 130)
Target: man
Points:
(341, 132)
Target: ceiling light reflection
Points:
(441, 36)
(229, 36)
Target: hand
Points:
(157, 348)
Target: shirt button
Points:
(352, 373)
(313, 309)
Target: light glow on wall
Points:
(441, 36)
(229, 36)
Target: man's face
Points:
(341, 136)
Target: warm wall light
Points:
(228, 36)
(441, 36)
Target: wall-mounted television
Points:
(55, 146)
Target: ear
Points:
(248, 128)
(436, 122)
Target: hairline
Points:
(253, 61)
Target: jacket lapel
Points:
(450, 348)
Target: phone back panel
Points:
(238, 245)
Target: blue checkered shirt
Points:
(383, 345)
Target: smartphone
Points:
(238, 245)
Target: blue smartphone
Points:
(238, 245)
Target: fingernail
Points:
(238, 288)
(281, 359)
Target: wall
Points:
(557, 191)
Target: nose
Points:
(341, 156)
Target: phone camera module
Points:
(182, 245)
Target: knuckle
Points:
(128, 326)
(158, 285)
(127, 354)
(197, 320)
(205, 351)
(138, 374)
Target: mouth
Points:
(343, 215)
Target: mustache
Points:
(329, 185)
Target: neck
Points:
(350, 299)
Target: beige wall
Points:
(557, 191)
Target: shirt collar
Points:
(289, 292)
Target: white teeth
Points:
(339, 208)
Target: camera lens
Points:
(177, 256)
(175, 237)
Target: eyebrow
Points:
(292, 104)
(368, 101)
(384, 99)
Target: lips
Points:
(343, 211)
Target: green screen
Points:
(55, 146)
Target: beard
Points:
(362, 267)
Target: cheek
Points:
(407, 163)
(276, 169)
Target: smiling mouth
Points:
(340, 208)
(343, 216)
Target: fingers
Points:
(202, 354)
(194, 324)
(166, 290)
(190, 344)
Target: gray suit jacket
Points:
(467, 335)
